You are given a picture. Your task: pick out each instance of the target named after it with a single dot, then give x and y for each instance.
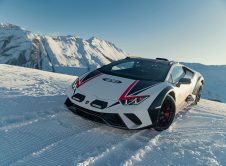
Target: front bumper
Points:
(111, 119)
(119, 116)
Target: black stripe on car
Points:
(141, 86)
(90, 75)
(114, 104)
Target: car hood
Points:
(109, 87)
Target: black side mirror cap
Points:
(184, 81)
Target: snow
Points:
(36, 129)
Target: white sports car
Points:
(135, 93)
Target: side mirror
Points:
(184, 81)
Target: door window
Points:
(177, 73)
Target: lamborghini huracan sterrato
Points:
(135, 93)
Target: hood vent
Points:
(99, 104)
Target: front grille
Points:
(91, 116)
(111, 119)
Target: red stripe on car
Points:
(123, 96)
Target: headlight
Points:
(75, 84)
(126, 99)
(132, 100)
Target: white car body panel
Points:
(98, 89)
(107, 90)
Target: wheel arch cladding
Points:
(202, 81)
(161, 96)
(153, 110)
(199, 83)
(172, 94)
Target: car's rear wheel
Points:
(166, 114)
(198, 95)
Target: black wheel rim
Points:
(166, 115)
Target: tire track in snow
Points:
(27, 139)
(87, 144)
(182, 139)
(16, 119)
(153, 143)
(21, 122)
(92, 160)
(127, 147)
(25, 123)
(48, 147)
(124, 148)
(139, 155)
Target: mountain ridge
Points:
(21, 47)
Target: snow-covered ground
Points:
(36, 129)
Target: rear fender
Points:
(197, 86)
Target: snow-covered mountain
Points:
(36, 129)
(63, 54)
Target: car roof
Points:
(158, 60)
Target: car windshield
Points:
(139, 69)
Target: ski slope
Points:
(36, 129)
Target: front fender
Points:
(155, 107)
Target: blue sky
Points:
(183, 30)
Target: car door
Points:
(176, 74)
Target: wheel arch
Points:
(172, 94)
(154, 108)
(161, 96)
(200, 82)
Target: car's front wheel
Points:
(166, 114)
